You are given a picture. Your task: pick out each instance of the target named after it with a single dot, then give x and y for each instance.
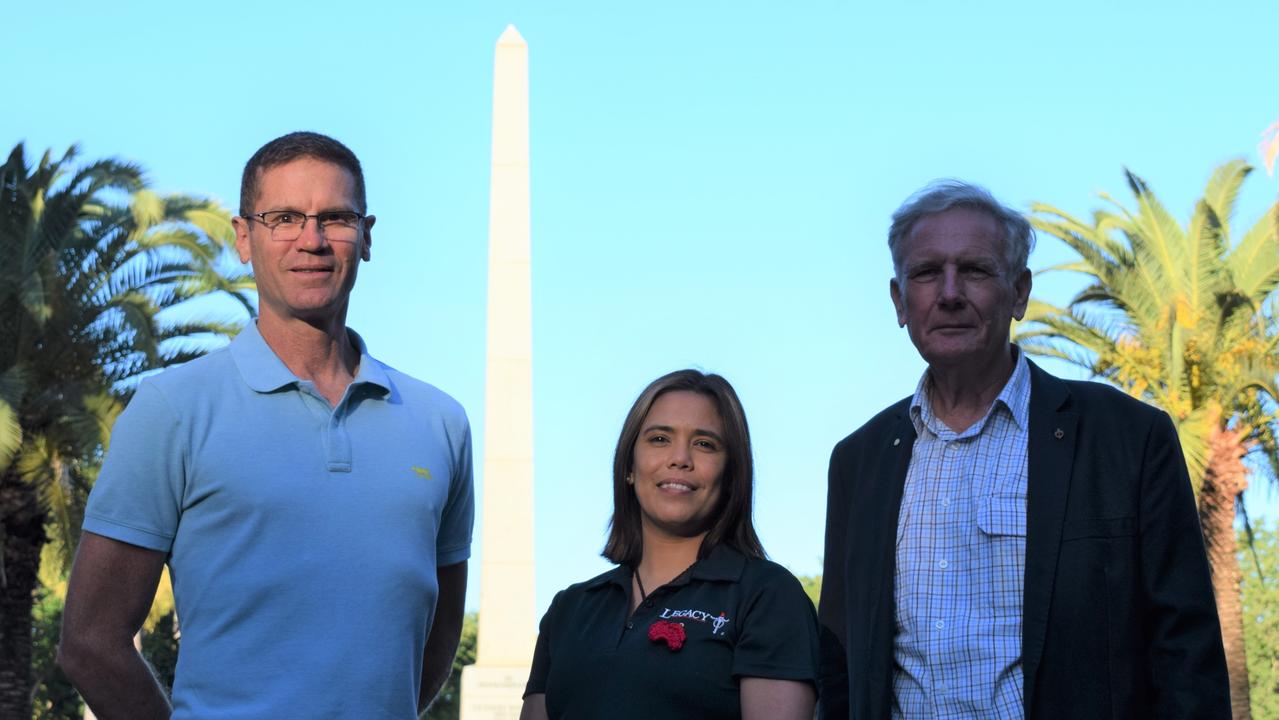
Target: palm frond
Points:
(1223, 189)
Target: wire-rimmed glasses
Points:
(287, 225)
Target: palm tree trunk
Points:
(1224, 480)
(21, 537)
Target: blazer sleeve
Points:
(1186, 662)
(832, 676)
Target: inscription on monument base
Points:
(492, 693)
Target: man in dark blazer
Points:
(1005, 543)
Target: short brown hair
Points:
(731, 520)
(295, 145)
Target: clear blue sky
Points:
(711, 181)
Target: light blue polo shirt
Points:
(303, 539)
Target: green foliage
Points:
(812, 587)
(1261, 618)
(447, 705)
(1183, 318)
(95, 274)
(54, 697)
(160, 647)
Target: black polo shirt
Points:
(742, 617)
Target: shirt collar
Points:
(723, 563)
(1015, 397)
(265, 372)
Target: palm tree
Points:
(99, 281)
(1183, 318)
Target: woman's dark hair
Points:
(731, 520)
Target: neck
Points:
(960, 396)
(320, 352)
(665, 557)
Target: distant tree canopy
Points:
(812, 587)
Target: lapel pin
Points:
(1059, 434)
(897, 441)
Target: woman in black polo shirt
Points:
(693, 622)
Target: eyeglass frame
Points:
(260, 218)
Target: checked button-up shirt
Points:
(961, 557)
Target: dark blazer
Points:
(1119, 619)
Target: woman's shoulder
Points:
(765, 569)
(618, 576)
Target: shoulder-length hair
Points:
(731, 520)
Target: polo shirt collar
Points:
(264, 371)
(723, 563)
(371, 372)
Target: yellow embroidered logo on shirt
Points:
(422, 472)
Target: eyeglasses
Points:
(287, 225)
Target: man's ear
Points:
(899, 301)
(366, 245)
(1021, 294)
(242, 245)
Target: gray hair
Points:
(942, 195)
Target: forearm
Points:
(446, 630)
(115, 681)
(111, 587)
(437, 663)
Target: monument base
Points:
(492, 693)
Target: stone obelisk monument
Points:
(491, 688)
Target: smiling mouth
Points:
(675, 486)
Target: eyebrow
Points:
(975, 259)
(334, 209)
(697, 431)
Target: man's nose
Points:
(952, 287)
(312, 236)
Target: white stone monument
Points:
(491, 688)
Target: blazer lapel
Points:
(1051, 448)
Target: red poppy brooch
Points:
(668, 632)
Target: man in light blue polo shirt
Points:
(314, 505)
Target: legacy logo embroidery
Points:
(422, 472)
(717, 621)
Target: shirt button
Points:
(943, 564)
(945, 502)
(940, 624)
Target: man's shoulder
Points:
(421, 394)
(193, 378)
(884, 421)
(1090, 396)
